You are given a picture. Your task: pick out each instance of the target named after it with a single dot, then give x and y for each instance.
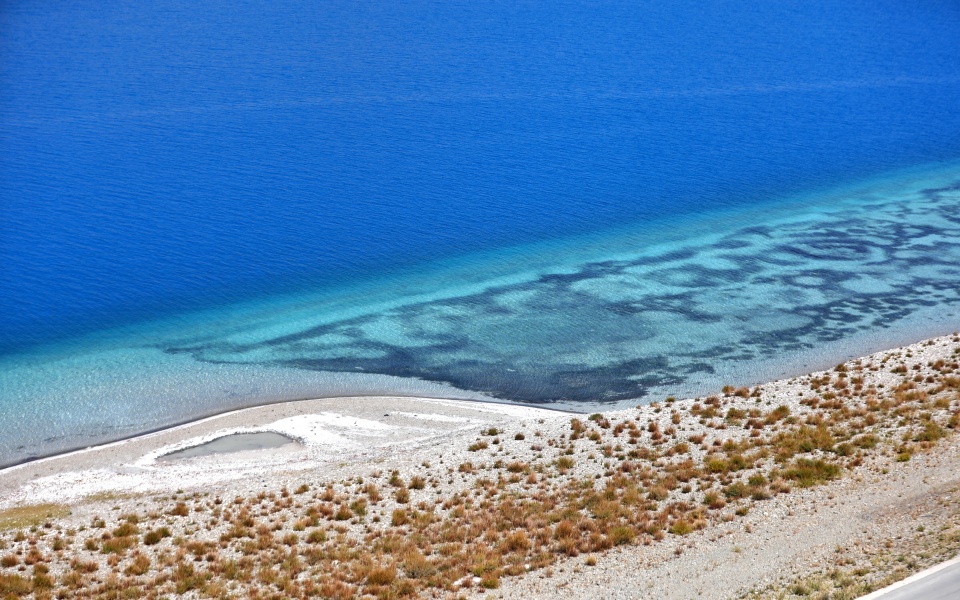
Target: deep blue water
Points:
(161, 155)
(160, 158)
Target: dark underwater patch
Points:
(793, 289)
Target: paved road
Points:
(941, 585)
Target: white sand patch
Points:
(313, 430)
(512, 410)
(133, 480)
(431, 417)
(317, 429)
(360, 430)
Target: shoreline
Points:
(334, 416)
(250, 419)
(236, 411)
(771, 479)
(796, 370)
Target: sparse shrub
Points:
(806, 472)
(955, 420)
(658, 493)
(316, 536)
(125, 529)
(14, 586)
(622, 534)
(117, 545)
(490, 581)
(41, 581)
(359, 507)
(185, 578)
(416, 565)
(717, 465)
(517, 540)
(681, 527)
(343, 513)
(493, 529)
(779, 413)
(735, 415)
(780, 486)
(138, 566)
(843, 449)
(713, 500)
(154, 536)
(81, 566)
(478, 445)
(395, 479)
(736, 489)
(564, 530)
(601, 421)
(931, 432)
(382, 575)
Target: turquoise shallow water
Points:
(680, 306)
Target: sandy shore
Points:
(880, 501)
(334, 435)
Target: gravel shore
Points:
(785, 539)
(698, 498)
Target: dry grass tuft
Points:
(22, 517)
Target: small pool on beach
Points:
(237, 442)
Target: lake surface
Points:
(575, 204)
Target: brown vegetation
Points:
(603, 482)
